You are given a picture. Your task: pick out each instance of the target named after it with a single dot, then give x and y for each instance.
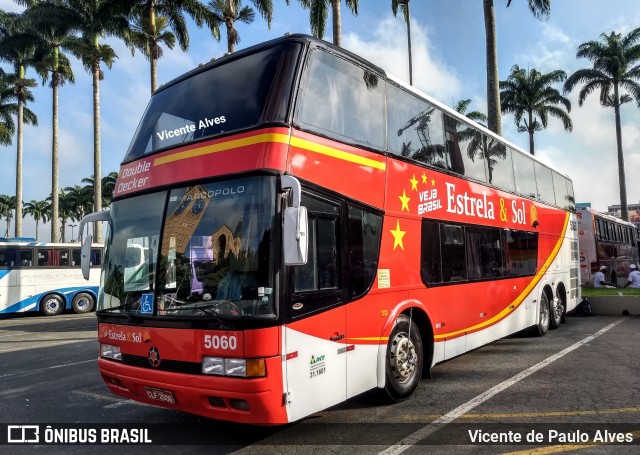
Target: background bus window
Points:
(53, 257)
(415, 129)
(544, 182)
(344, 100)
(525, 175)
(500, 164)
(8, 257)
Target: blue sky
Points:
(448, 64)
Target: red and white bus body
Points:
(333, 321)
(605, 240)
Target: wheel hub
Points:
(403, 357)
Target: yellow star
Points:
(424, 178)
(397, 236)
(433, 182)
(405, 201)
(414, 183)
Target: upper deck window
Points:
(342, 100)
(241, 93)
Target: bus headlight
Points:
(245, 368)
(109, 351)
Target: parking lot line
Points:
(434, 426)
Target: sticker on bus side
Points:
(146, 303)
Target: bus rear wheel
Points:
(557, 310)
(543, 315)
(82, 303)
(51, 305)
(404, 360)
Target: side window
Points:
(364, 232)
(321, 272)
(431, 269)
(8, 257)
(522, 253)
(544, 182)
(53, 257)
(343, 100)
(466, 149)
(500, 165)
(25, 258)
(415, 128)
(524, 175)
(485, 253)
(453, 253)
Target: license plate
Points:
(160, 395)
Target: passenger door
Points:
(313, 340)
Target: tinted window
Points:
(321, 270)
(415, 128)
(500, 165)
(522, 253)
(544, 182)
(364, 247)
(342, 100)
(466, 150)
(239, 94)
(54, 257)
(431, 258)
(524, 174)
(485, 252)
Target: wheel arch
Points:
(420, 316)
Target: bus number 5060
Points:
(220, 342)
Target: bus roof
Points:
(605, 216)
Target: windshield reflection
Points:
(214, 258)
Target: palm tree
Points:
(529, 92)
(8, 107)
(39, 210)
(540, 9)
(93, 19)
(18, 53)
(172, 12)
(404, 6)
(229, 12)
(7, 206)
(108, 186)
(66, 211)
(80, 200)
(52, 35)
(318, 12)
(616, 66)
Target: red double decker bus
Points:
(291, 227)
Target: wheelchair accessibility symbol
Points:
(146, 304)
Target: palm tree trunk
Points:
(55, 222)
(337, 27)
(153, 60)
(18, 227)
(97, 156)
(621, 177)
(493, 94)
(532, 147)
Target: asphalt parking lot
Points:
(575, 390)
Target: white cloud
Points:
(388, 49)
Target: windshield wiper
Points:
(206, 309)
(124, 310)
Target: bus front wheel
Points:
(404, 360)
(82, 303)
(51, 305)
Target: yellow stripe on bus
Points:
(335, 153)
(222, 146)
(271, 137)
(534, 282)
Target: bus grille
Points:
(175, 366)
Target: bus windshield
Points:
(209, 256)
(239, 94)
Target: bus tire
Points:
(82, 303)
(51, 305)
(543, 315)
(403, 366)
(556, 311)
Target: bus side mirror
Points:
(294, 229)
(85, 256)
(296, 243)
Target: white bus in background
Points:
(605, 240)
(46, 277)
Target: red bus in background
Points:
(606, 240)
(314, 228)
